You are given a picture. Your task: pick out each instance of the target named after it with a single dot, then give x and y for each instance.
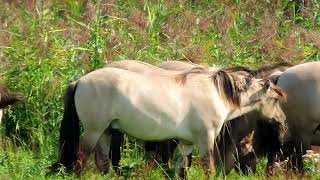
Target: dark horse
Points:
(7, 98)
(230, 151)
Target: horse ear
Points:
(266, 84)
(282, 96)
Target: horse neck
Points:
(266, 73)
(241, 111)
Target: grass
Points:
(44, 45)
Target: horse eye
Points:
(248, 81)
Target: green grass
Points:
(46, 45)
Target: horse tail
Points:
(69, 131)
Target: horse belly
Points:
(145, 128)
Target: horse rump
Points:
(69, 132)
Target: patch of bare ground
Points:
(205, 24)
(196, 54)
(180, 29)
(266, 35)
(223, 24)
(90, 11)
(289, 49)
(138, 18)
(109, 7)
(312, 37)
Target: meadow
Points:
(44, 45)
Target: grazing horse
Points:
(302, 85)
(7, 98)
(229, 150)
(164, 150)
(265, 140)
(190, 107)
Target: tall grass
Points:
(44, 45)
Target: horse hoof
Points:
(182, 173)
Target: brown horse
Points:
(7, 98)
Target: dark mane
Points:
(229, 87)
(182, 77)
(240, 69)
(317, 129)
(8, 98)
(267, 70)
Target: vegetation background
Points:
(45, 44)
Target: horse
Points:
(263, 136)
(164, 150)
(8, 98)
(230, 148)
(302, 85)
(193, 111)
(150, 147)
(230, 143)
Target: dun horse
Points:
(302, 85)
(190, 107)
(232, 133)
(265, 141)
(162, 151)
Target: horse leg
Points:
(102, 152)
(115, 149)
(164, 151)
(207, 152)
(182, 164)
(272, 156)
(173, 144)
(88, 143)
(300, 147)
(152, 152)
(227, 157)
(248, 163)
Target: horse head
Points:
(247, 93)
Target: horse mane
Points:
(317, 129)
(239, 69)
(182, 77)
(229, 87)
(266, 69)
(7, 98)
